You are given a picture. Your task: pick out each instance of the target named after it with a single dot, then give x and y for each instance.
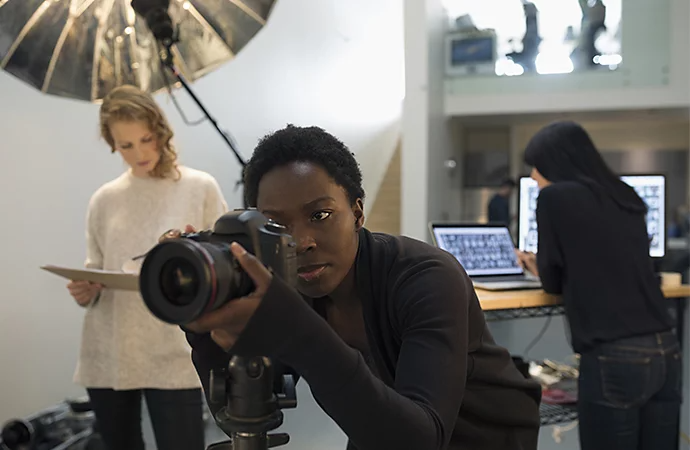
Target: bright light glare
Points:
(553, 63)
(508, 67)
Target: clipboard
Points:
(110, 279)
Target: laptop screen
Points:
(481, 250)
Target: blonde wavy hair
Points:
(129, 103)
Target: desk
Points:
(509, 305)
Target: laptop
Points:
(487, 253)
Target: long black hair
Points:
(563, 151)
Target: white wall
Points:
(414, 174)
(334, 64)
(428, 189)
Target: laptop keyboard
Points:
(501, 278)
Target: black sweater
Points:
(442, 378)
(597, 255)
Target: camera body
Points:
(183, 278)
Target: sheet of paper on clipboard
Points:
(110, 279)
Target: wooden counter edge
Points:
(494, 300)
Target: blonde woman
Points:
(126, 353)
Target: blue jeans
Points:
(630, 393)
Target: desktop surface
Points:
(535, 298)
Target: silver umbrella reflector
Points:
(82, 49)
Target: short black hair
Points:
(303, 144)
(508, 182)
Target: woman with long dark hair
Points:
(594, 251)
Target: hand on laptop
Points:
(528, 261)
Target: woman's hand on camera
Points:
(175, 233)
(528, 261)
(227, 323)
(83, 291)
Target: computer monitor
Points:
(652, 189)
(481, 249)
(471, 53)
(528, 191)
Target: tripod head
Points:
(250, 406)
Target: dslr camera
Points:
(184, 278)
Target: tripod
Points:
(250, 408)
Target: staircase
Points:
(384, 215)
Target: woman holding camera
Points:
(594, 250)
(387, 331)
(127, 353)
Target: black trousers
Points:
(176, 417)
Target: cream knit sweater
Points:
(123, 345)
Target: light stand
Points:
(155, 12)
(168, 63)
(250, 408)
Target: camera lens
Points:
(179, 281)
(17, 434)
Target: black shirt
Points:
(499, 210)
(597, 255)
(441, 383)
